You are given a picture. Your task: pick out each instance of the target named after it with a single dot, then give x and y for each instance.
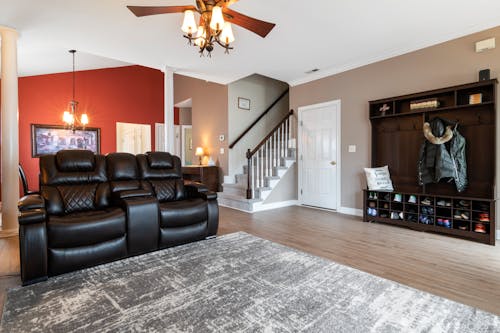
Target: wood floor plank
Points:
(460, 270)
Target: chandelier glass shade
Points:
(70, 116)
(212, 29)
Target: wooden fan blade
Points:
(155, 10)
(261, 28)
(225, 3)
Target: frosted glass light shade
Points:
(68, 118)
(84, 119)
(217, 21)
(189, 24)
(201, 36)
(227, 36)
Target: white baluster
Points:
(286, 137)
(279, 147)
(253, 176)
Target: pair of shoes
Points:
(397, 216)
(372, 204)
(443, 223)
(484, 217)
(461, 215)
(412, 217)
(412, 199)
(424, 219)
(427, 201)
(463, 203)
(386, 205)
(372, 195)
(387, 197)
(479, 227)
(485, 207)
(427, 210)
(398, 197)
(463, 227)
(443, 203)
(384, 215)
(372, 211)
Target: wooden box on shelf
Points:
(469, 218)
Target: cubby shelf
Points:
(397, 139)
(374, 211)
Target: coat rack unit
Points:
(397, 137)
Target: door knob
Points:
(333, 163)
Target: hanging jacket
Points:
(443, 159)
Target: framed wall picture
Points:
(243, 103)
(49, 139)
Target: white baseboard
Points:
(350, 211)
(262, 207)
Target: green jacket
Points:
(443, 162)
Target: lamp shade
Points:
(68, 118)
(189, 24)
(84, 119)
(199, 151)
(227, 36)
(217, 21)
(200, 36)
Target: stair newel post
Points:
(249, 174)
(286, 137)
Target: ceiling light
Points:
(212, 28)
(70, 118)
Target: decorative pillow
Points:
(379, 179)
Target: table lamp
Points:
(199, 152)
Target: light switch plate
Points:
(222, 151)
(352, 148)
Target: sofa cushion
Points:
(160, 160)
(77, 198)
(85, 228)
(122, 166)
(168, 189)
(75, 160)
(183, 213)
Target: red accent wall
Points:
(176, 115)
(131, 94)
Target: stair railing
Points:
(231, 146)
(265, 159)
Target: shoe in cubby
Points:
(398, 197)
(462, 204)
(443, 202)
(412, 199)
(480, 228)
(427, 201)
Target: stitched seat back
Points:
(123, 172)
(73, 181)
(163, 171)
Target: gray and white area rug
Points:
(235, 283)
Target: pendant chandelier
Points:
(212, 28)
(70, 116)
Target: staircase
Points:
(267, 164)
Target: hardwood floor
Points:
(460, 270)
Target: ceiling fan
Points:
(214, 23)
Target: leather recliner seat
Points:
(94, 209)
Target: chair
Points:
(24, 181)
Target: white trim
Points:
(339, 146)
(498, 234)
(260, 207)
(168, 112)
(350, 211)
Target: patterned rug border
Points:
(237, 235)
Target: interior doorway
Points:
(319, 155)
(187, 145)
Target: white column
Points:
(10, 130)
(169, 110)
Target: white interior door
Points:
(319, 154)
(133, 138)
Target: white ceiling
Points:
(332, 35)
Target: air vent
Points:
(312, 71)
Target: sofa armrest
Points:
(194, 189)
(120, 195)
(29, 202)
(209, 195)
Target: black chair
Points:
(24, 181)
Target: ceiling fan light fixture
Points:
(227, 36)
(217, 21)
(189, 23)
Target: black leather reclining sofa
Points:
(94, 209)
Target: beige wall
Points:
(447, 64)
(209, 114)
(185, 116)
(262, 92)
